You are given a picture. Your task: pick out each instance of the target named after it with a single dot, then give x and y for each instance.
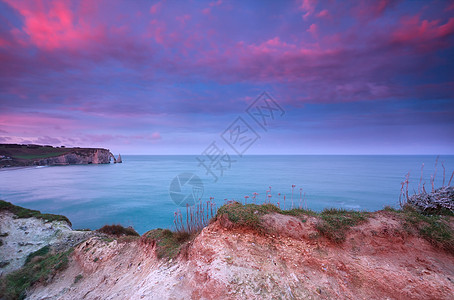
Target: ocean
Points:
(137, 192)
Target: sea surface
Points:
(136, 192)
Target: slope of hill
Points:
(259, 252)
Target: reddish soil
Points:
(378, 260)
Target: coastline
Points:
(18, 155)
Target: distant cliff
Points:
(15, 155)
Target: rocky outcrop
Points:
(23, 236)
(15, 155)
(119, 159)
(79, 157)
(379, 260)
(113, 157)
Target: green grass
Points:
(78, 278)
(434, 228)
(37, 156)
(248, 215)
(335, 223)
(41, 266)
(168, 243)
(390, 209)
(41, 252)
(21, 212)
(298, 212)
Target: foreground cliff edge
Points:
(247, 251)
(16, 155)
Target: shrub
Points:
(118, 230)
(77, 278)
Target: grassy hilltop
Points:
(16, 155)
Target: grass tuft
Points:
(334, 223)
(434, 228)
(39, 253)
(168, 243)
(299, 212)
(248, 215)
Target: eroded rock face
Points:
(377, 261)
(22, 236)
(82, 157)
(16, 155)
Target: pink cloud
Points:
(273, 45)
(313, 29)
(424, 34)
(79, 27)
(46, 140)
(207, 11)
(216, 3)
(323, 14)
(308, 7)
(156, 31)
(43, 28)
(367, 10)
(155, 8)
(51, 24)
(23, 120)
(182, 19)
(450, 7)
(156, 136)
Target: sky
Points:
(172, 77)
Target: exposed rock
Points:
(88, 156)
(22, 236)
(35, 155)
(113, 157)
(379, 260)
(119, 159)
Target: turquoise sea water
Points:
(136, 192)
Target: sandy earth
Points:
(377, 261)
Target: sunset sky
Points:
(168, 77)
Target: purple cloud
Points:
(120, 73)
